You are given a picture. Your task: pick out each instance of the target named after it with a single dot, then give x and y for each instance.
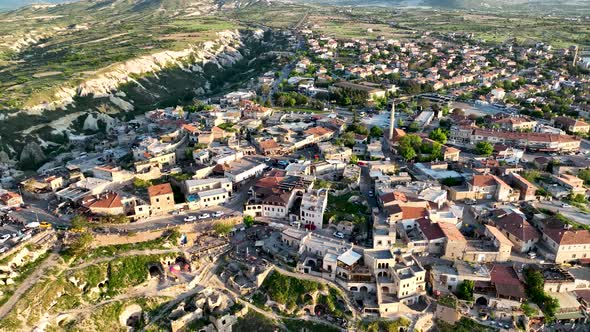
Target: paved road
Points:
(571, 212)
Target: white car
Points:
(33, 224)
(190, 218)
(204, 216)
(218, 214)
(339, 235)
(565, 205)
(532, 255)
(3, 250)
(4, 237)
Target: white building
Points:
(313, 206)
(244, 169)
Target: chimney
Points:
(392, 120)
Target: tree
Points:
(354, 159)
(465, 290)
(81, 244)
(265, 89)
(438, 135)
(79, 222)
(484, 148)
(248, 221)
(223, 228)
(376, 131)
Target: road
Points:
(570, 212)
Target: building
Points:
(108, 204)
(244, 169)
(161, 198)
(490, 186)
(571, 125)
(565, 244)
(522, 234)
(542, 142)
(11, 199)
(313, 206)
(516, 123)
(526, 189)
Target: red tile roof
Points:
(516, 225)
(506, 281)
(430, 230)
(411, 212)
(318, 131)
(483, 180)
(160, 189)
(451, 232)
(108, 201)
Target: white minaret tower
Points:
(392, 120)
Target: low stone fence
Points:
(192, 231)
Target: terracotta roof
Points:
(451, 232)
(268, 144)
(483, 180)
(108, 201)
(498, 235)
(160, 189)
(516, 225)
(506, 281)
(221, 168)
(190, 128)
(567, 236)
(318, 131)
(269, 182)
(394, 196)
(570, 122)
(533, 137)
(411, 212)
(9, 195)
(430, 230)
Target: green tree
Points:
(465, 290)
(81, 244)
(376, 131)
(484, 148)
(248, 221)
(438, 135)
(223, 227)
(79, 222)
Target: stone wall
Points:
(192, 231)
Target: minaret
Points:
(392, 120)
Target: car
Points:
(218, 214)
(371, 194)
(532, 255)
(565, 205)
(44, 224)
(3, 250)
(204, 216)
(267, 159)
(4, 237)
(295, 224)
(33, 224)
(62, 227)
(339, 235)
(190, 218)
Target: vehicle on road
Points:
(33, 224)
(204, 216)
(190, 218)
(218, 214)
(532, 255)
(3, 250)
(62, 227)
(4, 237)
(339, 235)
(565, 205)
(44, 224)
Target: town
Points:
(362, 184)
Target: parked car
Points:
(3, 250)
(44, 224)
(532, 255)
(190, 218)
(339, 235)
(33, 224)
(204, 216)
(218, 214)
(295, 224)
(4, 237)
